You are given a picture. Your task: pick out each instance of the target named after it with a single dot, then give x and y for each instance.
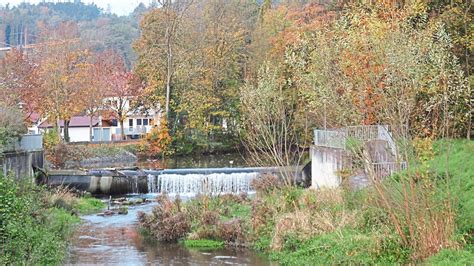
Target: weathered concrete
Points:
(326, 163)
(21, 163)
(107, 182)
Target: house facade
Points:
(106, 127)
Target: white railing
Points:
(384, 134)
(137, 130)
(330, 138)
(337, 138)
(384, 169)
(362, 133)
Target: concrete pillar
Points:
(325, 166)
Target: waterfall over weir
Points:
(172, 181)
(214, 183)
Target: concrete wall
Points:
(21, 163)
(325, 165)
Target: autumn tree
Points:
(20, 83)
(122, 86)
(93, 82)
(161, 38)
(61, 60)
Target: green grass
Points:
(452, 257)
(89, 205)
(203, 244)
(457, 157)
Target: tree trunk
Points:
(90, 130)
(168, 73)
(66, 130)
(122, 131)
(58, 128)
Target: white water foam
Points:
(216, 183)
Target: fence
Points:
(384, 169)
(31, 142)
(337, 138)
(330, 138)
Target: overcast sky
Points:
(119, 7)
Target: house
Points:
(33, 120)
(106, 127)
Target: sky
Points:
(119, 7)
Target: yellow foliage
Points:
(157, 140)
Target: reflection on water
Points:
(196, 161)
(115, 241)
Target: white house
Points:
(106, 127)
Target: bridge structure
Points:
(334, 160)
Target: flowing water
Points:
(215, 183)
(115, 240)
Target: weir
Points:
(172, 181)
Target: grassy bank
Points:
(301, 227)
(35, 224)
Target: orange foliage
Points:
(157, 140)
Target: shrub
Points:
(231, 231)
(11, 127)
(31, 231)
(266, 183)
(157, 141)
(167, 222)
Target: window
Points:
(130, 122)
(139, 121)
(151, 122)
(145, 122)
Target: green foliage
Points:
(345, 247)
(452, 257)
(453, 163)
(31, 232)
(109, 31)
(203, 244)
(11, 127)
(51, 139)
(88, 205)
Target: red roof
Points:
(76, 121)
(33, 117)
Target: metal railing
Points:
(31, 142)
(384, 169)
(137, 130)
(337, 138)
(330, 138)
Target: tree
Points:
(160, 38)
(122, 86)
(12, 126)
(93, 84)
(271, 135)
(20, 83)
(61, 61)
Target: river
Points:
(115, 240)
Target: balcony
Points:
(137, 130)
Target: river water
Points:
(115, 240)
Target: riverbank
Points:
(117, 240)
(299, 227)
(36, 224)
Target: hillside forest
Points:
(215, 68)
